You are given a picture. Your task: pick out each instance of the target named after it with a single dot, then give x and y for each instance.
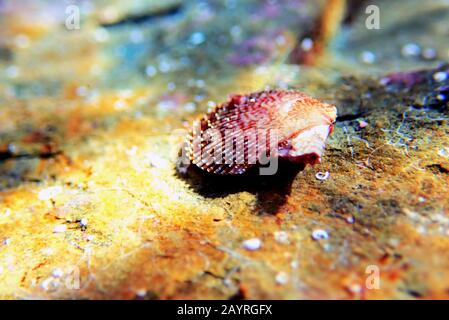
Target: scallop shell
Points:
(248, 130)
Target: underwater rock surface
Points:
(92, 119)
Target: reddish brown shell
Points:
(243, 131)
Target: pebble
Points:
(393, 242)
(444, 152)
(281, 278)
(165, 105)
(141, 293)
(190, 107)
(280, 40)
(83, 222)
(109, 14)
(81, 91)
(350, 219)
(165, 66)
(7, 212)
(12, 71)
(171, 86)
(131, 151)
(88, 250)
(49, 193)
(411, 50)
(320, 234)
(440, 76)
(199, 97)
(47, 284)
(306, 44)
(150, 71)
(47, 251)
(429, 54)
(227, 282)
(184, 61)
(421, 229)
(235, 31)
(101, 35)
(354, 288)
(57, 273)
(211, 104)
(60, 228)
(384, 81)
(363, 124)
(252, 244)
(120, 104)
(368, 57)
(197, 38)
(200, 83)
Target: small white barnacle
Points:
(322, 175)
(320, 234)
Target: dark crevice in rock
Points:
(438, 168)
(146, 17)
(6, 155)
(349, 117)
